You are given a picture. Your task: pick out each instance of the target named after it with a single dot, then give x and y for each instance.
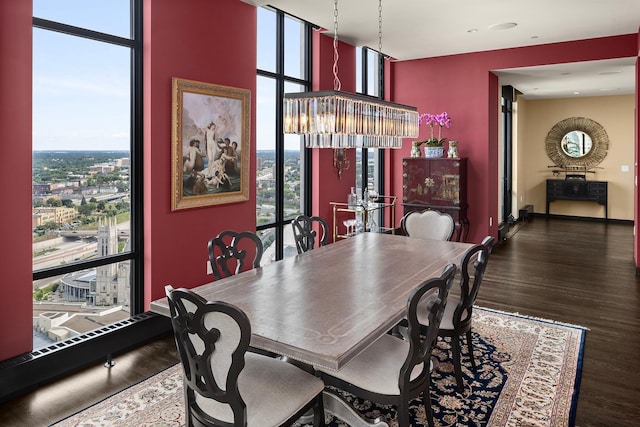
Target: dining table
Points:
(324, 306)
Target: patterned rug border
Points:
(576, 385)
(578, 379)
(524, 316)
(130, 386)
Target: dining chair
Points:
(393, 370)
(305, 234)
(428, 224)
(224, 384)
(230, 252)
(456, 320)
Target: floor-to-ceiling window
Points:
(86, 166)
(282, 162)
(370, 161)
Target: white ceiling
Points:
(426, 28)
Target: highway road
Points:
(64, 252)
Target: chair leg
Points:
(426, 401)
(403, 414)
(470, 347)
(318, 412)
(455, 345)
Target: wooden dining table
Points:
(325, 306)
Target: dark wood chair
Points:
(231, 252)
(225, 385)
(456, 321)
(428, 224)
(393, 370)
(305, 234)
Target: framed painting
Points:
(210, 144)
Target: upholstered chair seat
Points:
(457, 317)
(271, 389)
(225, 385)
(396, 371)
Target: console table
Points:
(578, 189)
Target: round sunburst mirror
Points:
(577, 142)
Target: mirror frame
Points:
(599, 141)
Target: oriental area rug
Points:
(528, 375)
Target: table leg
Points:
(338, 407)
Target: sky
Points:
(81, 88)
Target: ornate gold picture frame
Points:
(210, 144)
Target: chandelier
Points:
(335, 119)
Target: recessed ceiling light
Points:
(534, 37)
(609, 73)
(576, 93)
(566, 73)
(503, 26)
(472, 30)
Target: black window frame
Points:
(30, 370)
(281, 79)
(364, 75)
(135, 255)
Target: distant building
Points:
(38, 189)
(101, 168)
(107, 285)
(77, 286)
(91, 298)
(124, 162)
(106, 288)
(59, 215)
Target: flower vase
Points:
(433, 152)
(415, 149)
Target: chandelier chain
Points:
(336, 80)
(380, 27)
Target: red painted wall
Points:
(464, 86)
(207, 41)
(16, 318)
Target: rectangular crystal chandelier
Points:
(334, 119)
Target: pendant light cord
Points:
(336, 79)
(381, 57)
(380, 27)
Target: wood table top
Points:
(325, 306)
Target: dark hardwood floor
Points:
(576, 272)
(57, 400)
(581, 273)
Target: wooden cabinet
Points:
(440, 184)
(578, 189)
